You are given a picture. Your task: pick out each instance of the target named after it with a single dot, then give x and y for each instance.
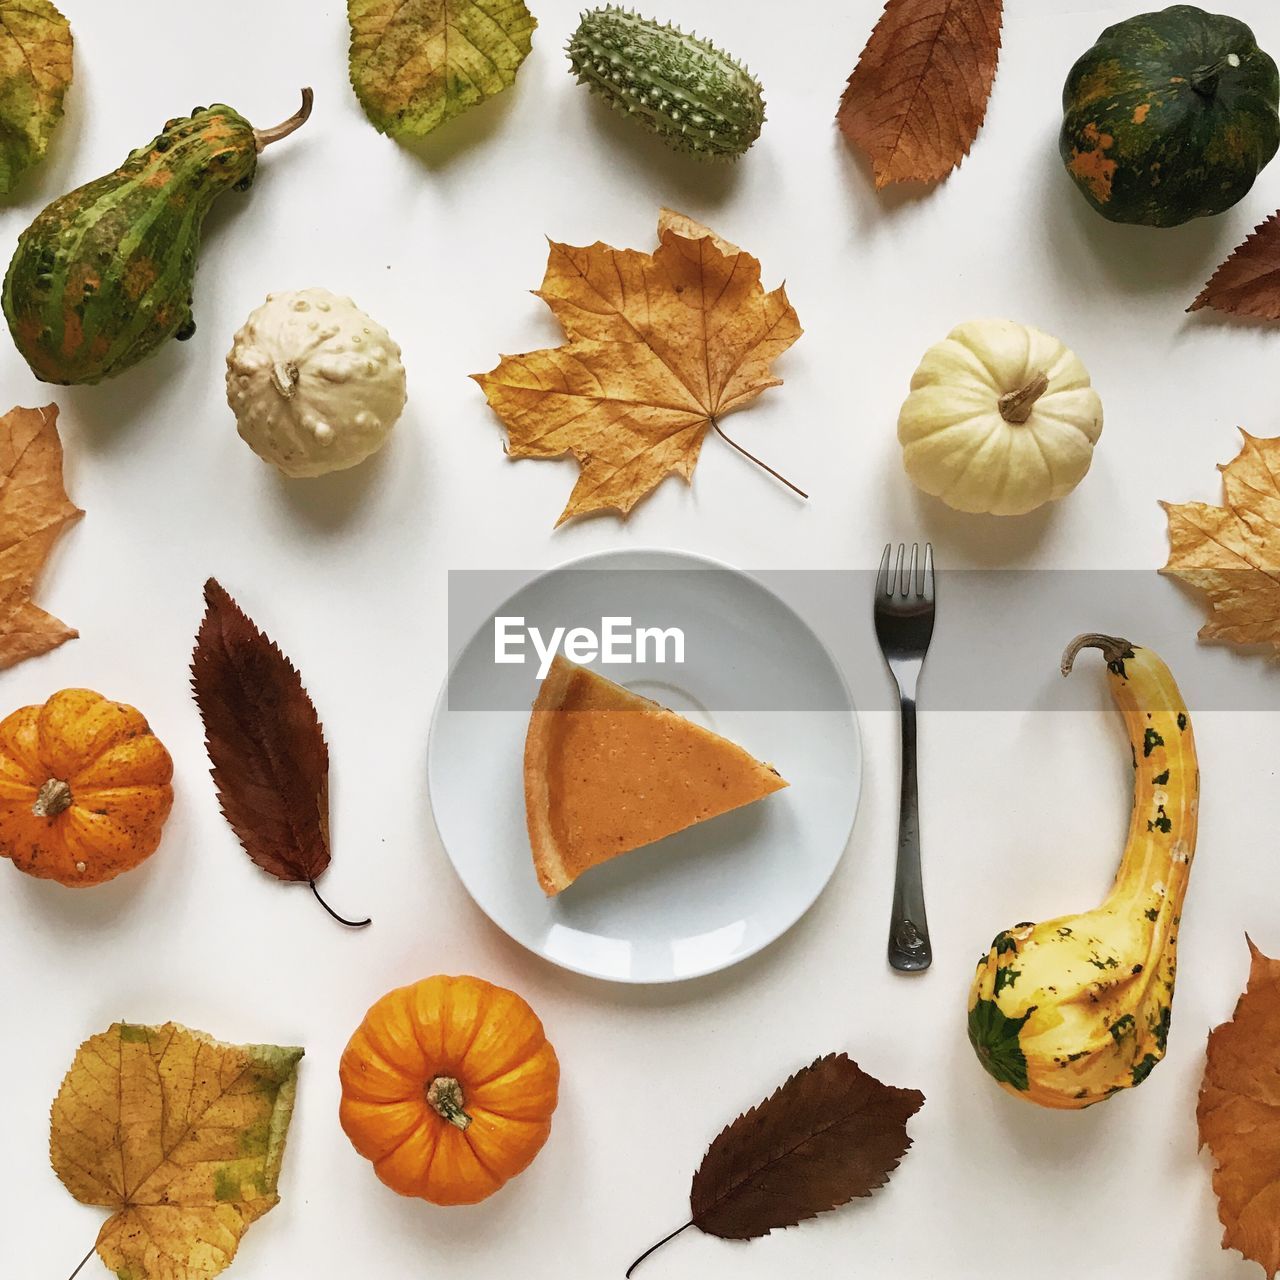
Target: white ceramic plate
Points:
(706, 897)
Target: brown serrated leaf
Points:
(830, 1135)
(1239, 1117)
(1232, 552)
(919, 93)
(1248, 283)
(34, 510)
(660, 347)
(182, 1137)
(270, 759)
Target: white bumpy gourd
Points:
(1001, 418)
(315, 384)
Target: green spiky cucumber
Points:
(691, 94)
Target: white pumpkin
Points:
(316, 386)
(1001, 418)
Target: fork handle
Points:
(909, 948)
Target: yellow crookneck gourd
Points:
(1068, 1012)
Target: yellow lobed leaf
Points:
(34, 510)
(659, 347)
(1232, 552)
(179, 1134)
(417, 63)
(1238, 1114)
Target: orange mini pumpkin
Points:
(448, 1087)
(84, 788)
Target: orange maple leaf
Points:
(1232, 552)
(660, 347)
(34, 510)
(1237, 1116)
(919, 93)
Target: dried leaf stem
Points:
(351, 924)
(764, 466)
(653, 1248)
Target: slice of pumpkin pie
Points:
(606, 771)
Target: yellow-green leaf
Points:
(417, 63)
(35, 70)
(182, 1136)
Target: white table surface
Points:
(1022, 812)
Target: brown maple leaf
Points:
(1239, 1117)
(1232, 552)
(919, 93)
(660, 347)
(1248, 283)
(267, 746)
(34, 510)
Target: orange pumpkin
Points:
(448, 1087)
(84, 788)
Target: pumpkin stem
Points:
(52, 799)
(1113, 649)
(286, 376)
(655, 1247)
(351, 924)
(764, 466)
(1016, 406)
(265, 137)
(444, 1094)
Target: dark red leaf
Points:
(270, 760)
(831, 1134)
(1248, 283)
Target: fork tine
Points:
(927, 590)
(912, 584)
(882, 578)
(898, 584)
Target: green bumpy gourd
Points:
(691, 94)
(1170, 116)
(104, 276)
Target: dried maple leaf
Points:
(831, 1134)
(270, 759)
(1248, 283)
(417, 63)
(660, 347)
(35, 72)
(1232, 553)
(918, 96)
(34, 510)
(181, 1136)
(1239, 1117)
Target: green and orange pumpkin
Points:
(1170, 116)
(103, 277)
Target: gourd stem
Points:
(83, 1262)
(285, 377)
(1016, 406)
(654, 1248)
(1113, 648)
(444, 1095)
(263, 138)
(351, 924)
(52, 799)
(764, 466)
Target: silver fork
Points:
(904, 625)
